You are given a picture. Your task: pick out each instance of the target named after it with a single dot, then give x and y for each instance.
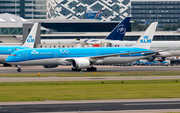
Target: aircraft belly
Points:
(52, 61)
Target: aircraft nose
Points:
(8, 59)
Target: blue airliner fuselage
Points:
(5, 51)
(45, 53)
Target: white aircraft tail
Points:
(146, 39)
(31, 37)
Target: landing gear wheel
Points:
(76, 69)
(19, 70)
(92, 69)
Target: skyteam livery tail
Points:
(31, 37)
(119, 31)
(146, 39)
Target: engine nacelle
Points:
(80, 63)
(164, 54)
(50, 66)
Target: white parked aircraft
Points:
(170, 48)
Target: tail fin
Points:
(119, 31)
(146, 39)
(31, 37)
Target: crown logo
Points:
(30, 36)
(145, 37)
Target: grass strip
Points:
(89, 82)
(95, 74)
(89, 90)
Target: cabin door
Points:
(24, 55)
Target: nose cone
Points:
(9, 59)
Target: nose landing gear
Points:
(19, 68)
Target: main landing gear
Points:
(88, 69)
(92, 69)
(19, 68)
(75, 69)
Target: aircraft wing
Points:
(98, 57)
(112, 55)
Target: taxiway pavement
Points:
(95, 106)
(40, 69)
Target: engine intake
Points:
(80, 63)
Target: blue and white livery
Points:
(79, 58)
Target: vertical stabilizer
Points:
(119, 31)
(30, 41)
(146, 39)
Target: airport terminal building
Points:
(66, 19)
(144, 11)
(12, 28)
(164, 11)
(115, 10)
(28, 9)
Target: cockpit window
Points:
(13, 55)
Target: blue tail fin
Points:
(119, 31)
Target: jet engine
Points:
(50, 66)
(163, 54)
(80, 63)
